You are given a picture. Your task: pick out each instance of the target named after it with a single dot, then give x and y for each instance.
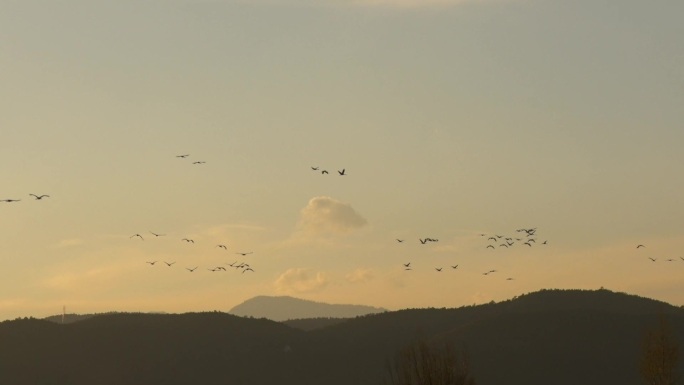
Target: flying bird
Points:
(490, 246)
(314, 168)
(199, 162)
(188, 240)
(638, 246)
(407, 264)
(183, 156)
(324, 172)
(137, 235)
(157, 235)
(492, 238)
(10, 200)
(341, 172)
(39, 197)
(247, 253)
(438, 269)
(151, 263)
(222, 246)
(169, 263)
(191, 270)
(400, 240)
(509, 279)
(247, 269)
(454, 267)
(652, 259)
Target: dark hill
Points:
(547, 337)
(288, 308)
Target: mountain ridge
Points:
(284, 308)
(564, 337)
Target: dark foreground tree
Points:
(660, 355)
(423, 364)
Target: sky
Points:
(452, 120)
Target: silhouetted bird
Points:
(341, 172)
(247, 253)
(652, 259)
(490, 246)
(324, 172)
(191, 270)
(438, 269)
(199, 162)
(400, 240)
(151, 263)
(509, 279)
(137, 235)
(39, 197)
(222, 246)
(544, 243)
(169, 263)
(157, 235)
(314, 168)
(182, 156)
(491, 238)
(247, 269)
(638, 246)
(407, 264)
(454, 267)
(188, 240)
(10, 200)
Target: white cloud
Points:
(301, 280)
(327, 215)
(360, 275)
(69, 242)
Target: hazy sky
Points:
(451, 118)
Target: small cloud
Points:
(300, 280)
(328, 215)
(231, 228)
(360, 276)
(69, 242)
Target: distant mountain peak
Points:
(283, 308)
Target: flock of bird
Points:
(524, 237)
(506, 242)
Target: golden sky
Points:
(451, 119)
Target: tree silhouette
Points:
(423, 364)
(660, 355)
